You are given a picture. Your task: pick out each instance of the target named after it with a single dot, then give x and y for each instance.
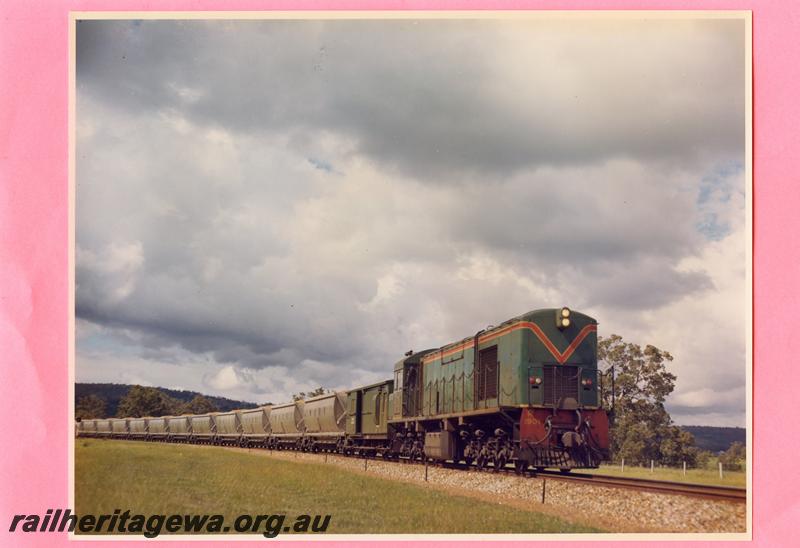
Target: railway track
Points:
(716, 492)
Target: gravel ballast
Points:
(609, 508)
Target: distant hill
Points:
(716, 438)
(112, 393)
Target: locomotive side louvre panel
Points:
(487, 375)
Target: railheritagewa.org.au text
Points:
(151, 526)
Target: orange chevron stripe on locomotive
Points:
(561, 357)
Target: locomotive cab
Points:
(407, 397)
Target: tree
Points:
(143, 401)
(316, 392)
(735, 457)
(91, 407)
(199, 405)
(704, 459)
(642, 429)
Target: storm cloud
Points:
(268, 206)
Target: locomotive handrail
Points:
(509, 394)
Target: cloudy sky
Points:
(264, 207)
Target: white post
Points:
(684, 468)
(651, 466)
(623, 464)
(720, 470)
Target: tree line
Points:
(142, 401)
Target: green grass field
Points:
(180, 479)
(703, 476)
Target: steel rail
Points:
(735, 494)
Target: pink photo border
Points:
(34, 283)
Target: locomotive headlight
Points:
(562, 318)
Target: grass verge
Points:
(702, 476)
(182, 479)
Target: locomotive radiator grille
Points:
(560, 381)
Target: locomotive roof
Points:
(547, 314)
(540, 314)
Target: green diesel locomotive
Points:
(525, 392)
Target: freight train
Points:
(524, 392)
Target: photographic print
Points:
(425, 274)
